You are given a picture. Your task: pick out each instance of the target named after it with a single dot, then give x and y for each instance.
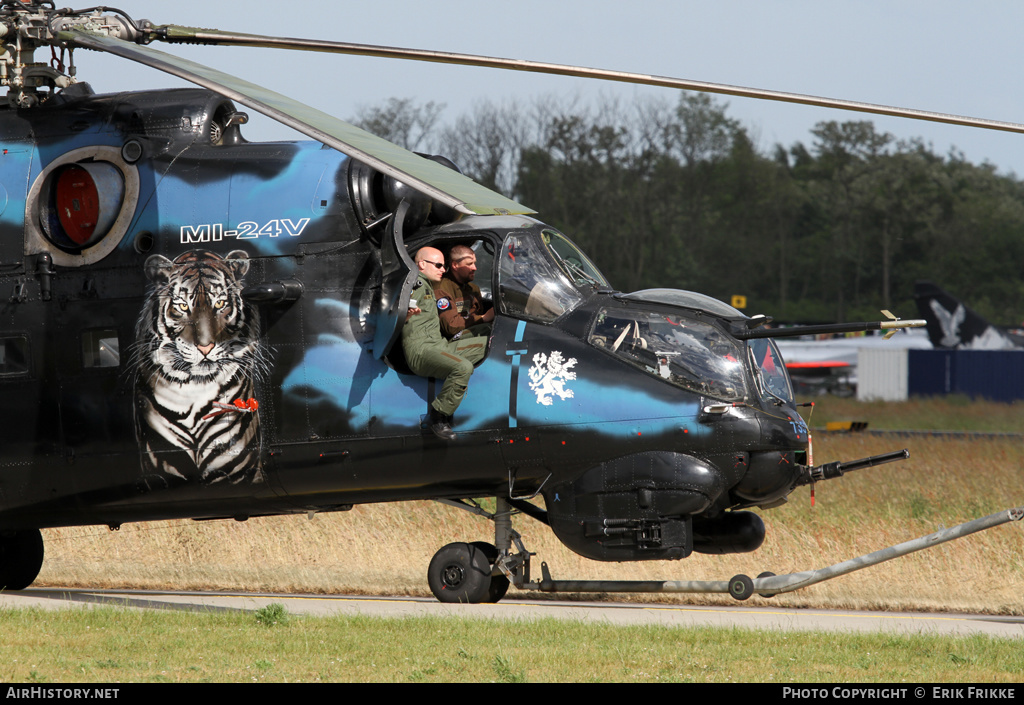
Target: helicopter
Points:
(203, 327)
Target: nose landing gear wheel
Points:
(460, 572)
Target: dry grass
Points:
(950, 413)
(385, 549)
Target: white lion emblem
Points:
(549, 375)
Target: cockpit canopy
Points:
(542, 276)
(770, 370)
(692, 353)
(684, 351)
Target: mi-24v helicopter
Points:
(196, 326)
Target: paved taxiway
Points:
(776, 619)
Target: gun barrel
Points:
(830, 471)
(826, 328)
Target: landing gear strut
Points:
(499, 582)
(480, 572)
(21, 557)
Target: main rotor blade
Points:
(433, 179)
(173, 33)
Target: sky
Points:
(938, 55)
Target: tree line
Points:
(664, 194)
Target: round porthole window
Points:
(85, 200)
(81, 205)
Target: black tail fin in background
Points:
(952, 325)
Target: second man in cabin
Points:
(461, 306)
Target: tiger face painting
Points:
(198, 357)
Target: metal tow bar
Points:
(767, 585)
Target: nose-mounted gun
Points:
(830, 471)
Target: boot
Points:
(441, 425)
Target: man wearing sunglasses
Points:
(429, 354)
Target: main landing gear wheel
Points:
(460, 572)
(21, 557)
(499, 583)
(741, 587)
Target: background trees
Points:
(678, 195)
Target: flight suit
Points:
(461, 309)
(430, 355)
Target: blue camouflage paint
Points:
(175, 202)
(170, 201)
(17, 162)
(343, 373)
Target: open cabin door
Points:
(398, 275)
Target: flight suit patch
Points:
(443, 304)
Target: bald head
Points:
(430, 262)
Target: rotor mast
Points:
(27, 26)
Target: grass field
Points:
(385, 549)
(952, 413)
(122, 646)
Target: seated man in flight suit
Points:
(461, 306)
(429, 354)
